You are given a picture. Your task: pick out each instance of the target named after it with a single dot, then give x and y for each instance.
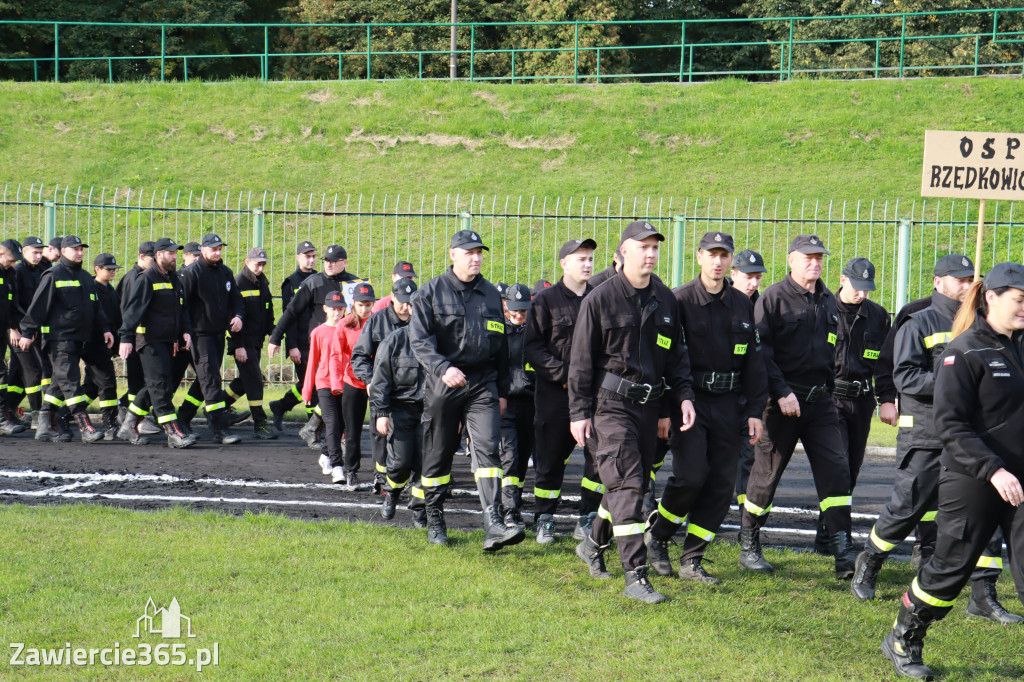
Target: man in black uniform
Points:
(457, 332)
(52, 251)
(609, 272)
(247, 345)
(797, 321)
(133, 365)
(33, 371)
(156, 324)
(919, 343)
(516, 445)
(550, 322)
(725, 359)
(747, 271)
(386, 320)
(66, 310)
(309, 301)
(214, 307)
(863, 326)
(10, 254)
(100, 380)
(296, 338)
(190, 254)
(628, 374)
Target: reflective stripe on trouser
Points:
(65, 389)
(704, 460)
(249, 383)
(158, 369)
(970, 513)
(207, 352)
(553, 446)
(623, 444)
(475, 404)
(515, 449)
(817, 428)
(915, 493)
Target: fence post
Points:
(266, 53)
(466, 220)
(903, 42)
(50, 209)
(682, 51)
(576, 56)
(257, 227)
(678, 228)
(163, 52)
(903, 266)
(56, 52)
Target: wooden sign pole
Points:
(981, 232)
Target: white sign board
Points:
(973, 165)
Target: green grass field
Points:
(297, 600)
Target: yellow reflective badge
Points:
(832, 338)
(664, 341)
(528, 367)
(739, 349)
(493, 326)
(871, 354)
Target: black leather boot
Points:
(437, 530)
(984, 603)
(176, 436)
(496, 533)
(904, 643)
(89, 432)
(388, 506)
(750, 552)
(844, 553)
(657, 553)
(129, 430)
(593, 556)
(639, 587)
(45, 427)
(865, 574)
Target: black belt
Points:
(852, 389)
(717, 382)
(638, 393)
(809, 394)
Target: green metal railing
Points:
(889, 38)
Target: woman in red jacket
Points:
(353, 401)
(323, 375)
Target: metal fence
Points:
(683, 50)
(523, 233)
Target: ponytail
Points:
(973, 305)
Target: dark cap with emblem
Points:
(12, 246)
(574, 245)
(467, 239)
(57, 243)
(749, 262)
(404, 268)
(33, 241)
(193, 249)
(954, 265)
(334, 299)
(212, 241)
(335, 253)
(717, 240)
(106, 260)
(501, 287)
(809, 244)
(639, 231)
(363, 292)
(1005, 275)
(538, 286)
(72, 242)
(257, 255)
(304, 247)
(167, 244)
(147, 249)
(403, 289)
(517, 297)
(860, 273)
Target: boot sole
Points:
(506, 540)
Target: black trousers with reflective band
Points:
(474, 405)
(249, 383)
(334, 424)
(100, 381)
(33, 366)
(207, 354)
(158, 369)
(817, 428)
(66, 388)
(970, 511)
(515, 449)
(704, 461)
(854, 426)
(404, 444)
(553, 445)
(623, 443)
(135, 376)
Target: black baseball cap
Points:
(147, 249)
(33, 241)
(403, 289)
(717, 240)
(809, 244)
(404, 268)
(363, 292)
(57, 242)
(538, 286)
(192, 249)
(212, 241)
(71, 242)
(13, 246)
(640, 230)
(748, 262)
(467, 239)
(166, 244)
(860, 273)
(954, 265)
(106, 260)
(334, 299)
(257, 255)
(304, 247)
(1005, 275)
(518, 297)
(574, 245)
(335, 253)
(501, 287)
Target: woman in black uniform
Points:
(979, 415)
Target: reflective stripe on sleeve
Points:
(936, 339)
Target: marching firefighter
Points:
(100, 379)
(296, 337)
(516, 447)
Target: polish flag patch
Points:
(949, 360)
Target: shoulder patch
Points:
(949, 360)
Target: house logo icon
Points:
(166, 622)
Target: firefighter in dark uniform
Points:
(725, 361)
(100, 380)
(797, 321)
(516, 446)
(66, 311)
(296, 337)
(33, 371)
(628, 375)
(133, 365)
(247, 345)
(863, 326)
(609, 272)
(380, 325)
(919, 343)
(396, 405)
(10, 254)
(747, 271)
(457, 332)
(550, 322)
(979, 416)
(156, 325)
(214, 308)
(308, 304)
(191, 253)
